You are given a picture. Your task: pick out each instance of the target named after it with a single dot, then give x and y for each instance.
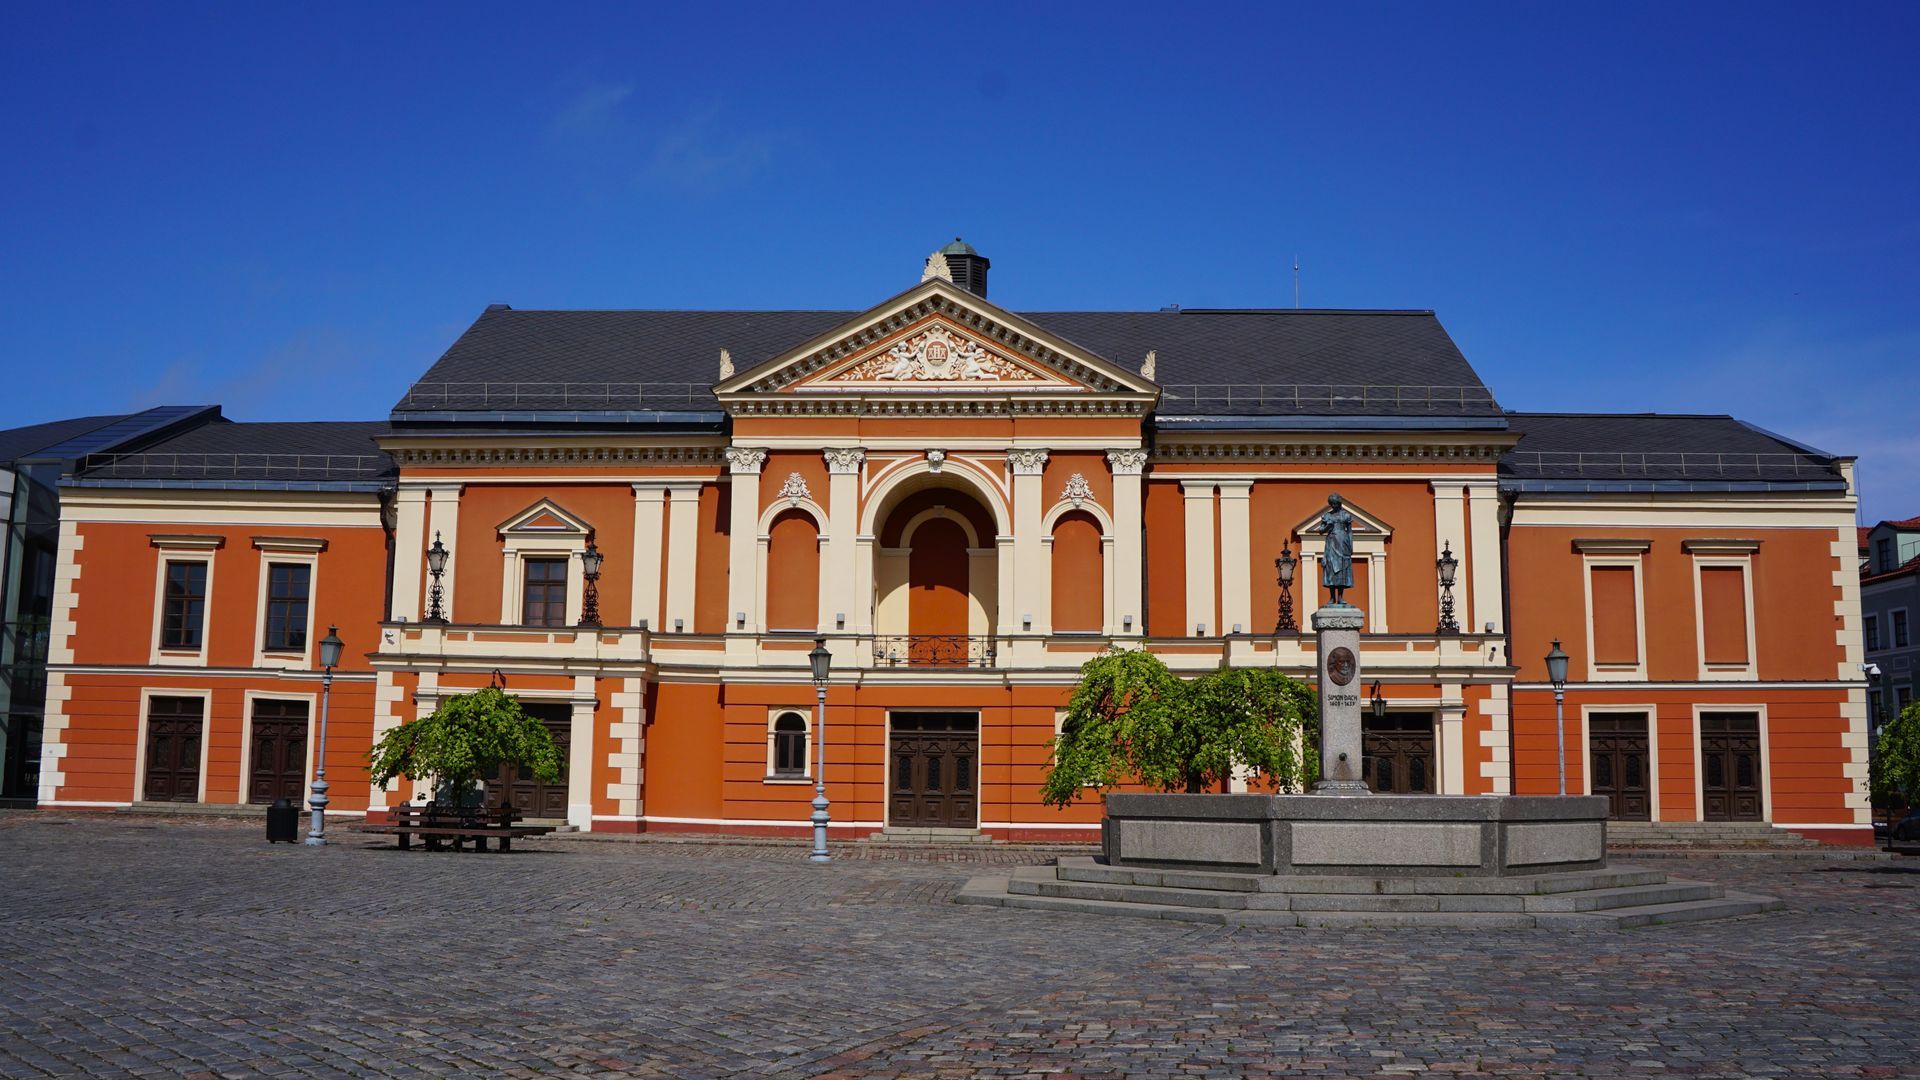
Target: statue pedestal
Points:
(1338, 645)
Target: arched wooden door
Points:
(937, 594)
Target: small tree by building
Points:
(467, 738)
(1896, 780)
(1132, 720)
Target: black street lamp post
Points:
(436, 596)
(1557, 675)
(1285, 564)
(1448, 566)
(590, 560)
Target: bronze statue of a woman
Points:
(1336, 561)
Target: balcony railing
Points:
(934, 650)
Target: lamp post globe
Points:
(330, 649)
(820, 661)
(1557, 675)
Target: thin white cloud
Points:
(699, 154)
(593, 109)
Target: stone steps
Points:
(929, 837)
(1610, 899)
(1688, 834)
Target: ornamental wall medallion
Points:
(936, 354)
(1077, 490)
(1340, 665)
(795, 488)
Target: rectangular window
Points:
(1873, 632)
(1903, 697)
(545, 600)
(1723, 614)
(1885, 556)
(287, 585)
(184, 616)
(1900, 629)
(1616, 621)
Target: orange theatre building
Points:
(967, 503)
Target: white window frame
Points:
(1766, 759)
(1608, 554)
(806, 754)
(523, 542)
(246, 733)
(1706, 555)
(287, 551)
(173, 549)
(147, 694)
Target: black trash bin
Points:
(283, 822)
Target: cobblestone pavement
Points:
(168, 947)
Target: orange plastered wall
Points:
(710, 567)
(782, 464)
(684, 751)
(116, 623)
(1060, 468)
(1166, 555)
(608, 508)
(1793, 600)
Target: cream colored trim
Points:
(627, 754)
(1720, 547)
(522, 546)
(1710, 672)
(1766, 759)
(1652, 714)
(580, 754)
(293, 544)
(409, 553)
(173, 671)
(805, 776)
(186, 542)
(443, 524)
(246, 737)
(53, 741)
(1637, 671)
(683, 553)
(159, 654)
(1609, 546)
(929, 514)
(1485, 577)
(1450, 528)
(979, 481)
(147, 694)
(649, 531)
(207, 509)
(1236, 556)
(278, 659)
(1197, 501)
(1496, 740)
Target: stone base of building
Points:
(1376, 836)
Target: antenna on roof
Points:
(1296, 281)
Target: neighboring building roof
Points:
(556, 365)
(66, 443)
(1911, 524)
(1909, 567)
(22, 441)
(1655, 452)
(273, 456)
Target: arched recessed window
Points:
(790, 746)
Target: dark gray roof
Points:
(21, 441)
(553, 364)
(294, 456)
(1653, 452)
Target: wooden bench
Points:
(436, 825)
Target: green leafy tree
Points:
(1131, 719)
(468, 737)
(1897, 759)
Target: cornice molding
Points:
(1325, 451)
(963, 403)
(557, 455)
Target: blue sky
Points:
(293, 209)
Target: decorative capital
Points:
(795, 488)
(1129, 462)
(1077, 490)
(1026, 462)
(936, 459)
(745, 460)
(845, 459)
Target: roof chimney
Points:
(960, 264)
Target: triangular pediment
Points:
(940, 339)
(1364, 524)
(546, 518)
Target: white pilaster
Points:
(840, 575)
(743, 578)
(1236, 555)
(580, 756)
(409, 551)
(443, 520)
(683, 551)
(1483, 522)
(649, 527)
(1032, 577)
(1450, 528)
(1200, 543)
(1451, 739)
(1129, 560)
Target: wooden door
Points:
(933, 771)
(1397, 753)
(174, 729)
(1621, 762)
(521, 790)
(1730, 767)
(277, 765)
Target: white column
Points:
(1377, 593)
(1450, 738)
(443, 520)
(1129, 558)
(580, 757)
(1450, 528)
(683, 550)
(1199, 507)
(1483, 521)
(1236, 555)
(840, 574)
(1032, 577)
(743, 553)
(409, 551)
(649, 526)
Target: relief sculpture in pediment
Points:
(936, 355)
